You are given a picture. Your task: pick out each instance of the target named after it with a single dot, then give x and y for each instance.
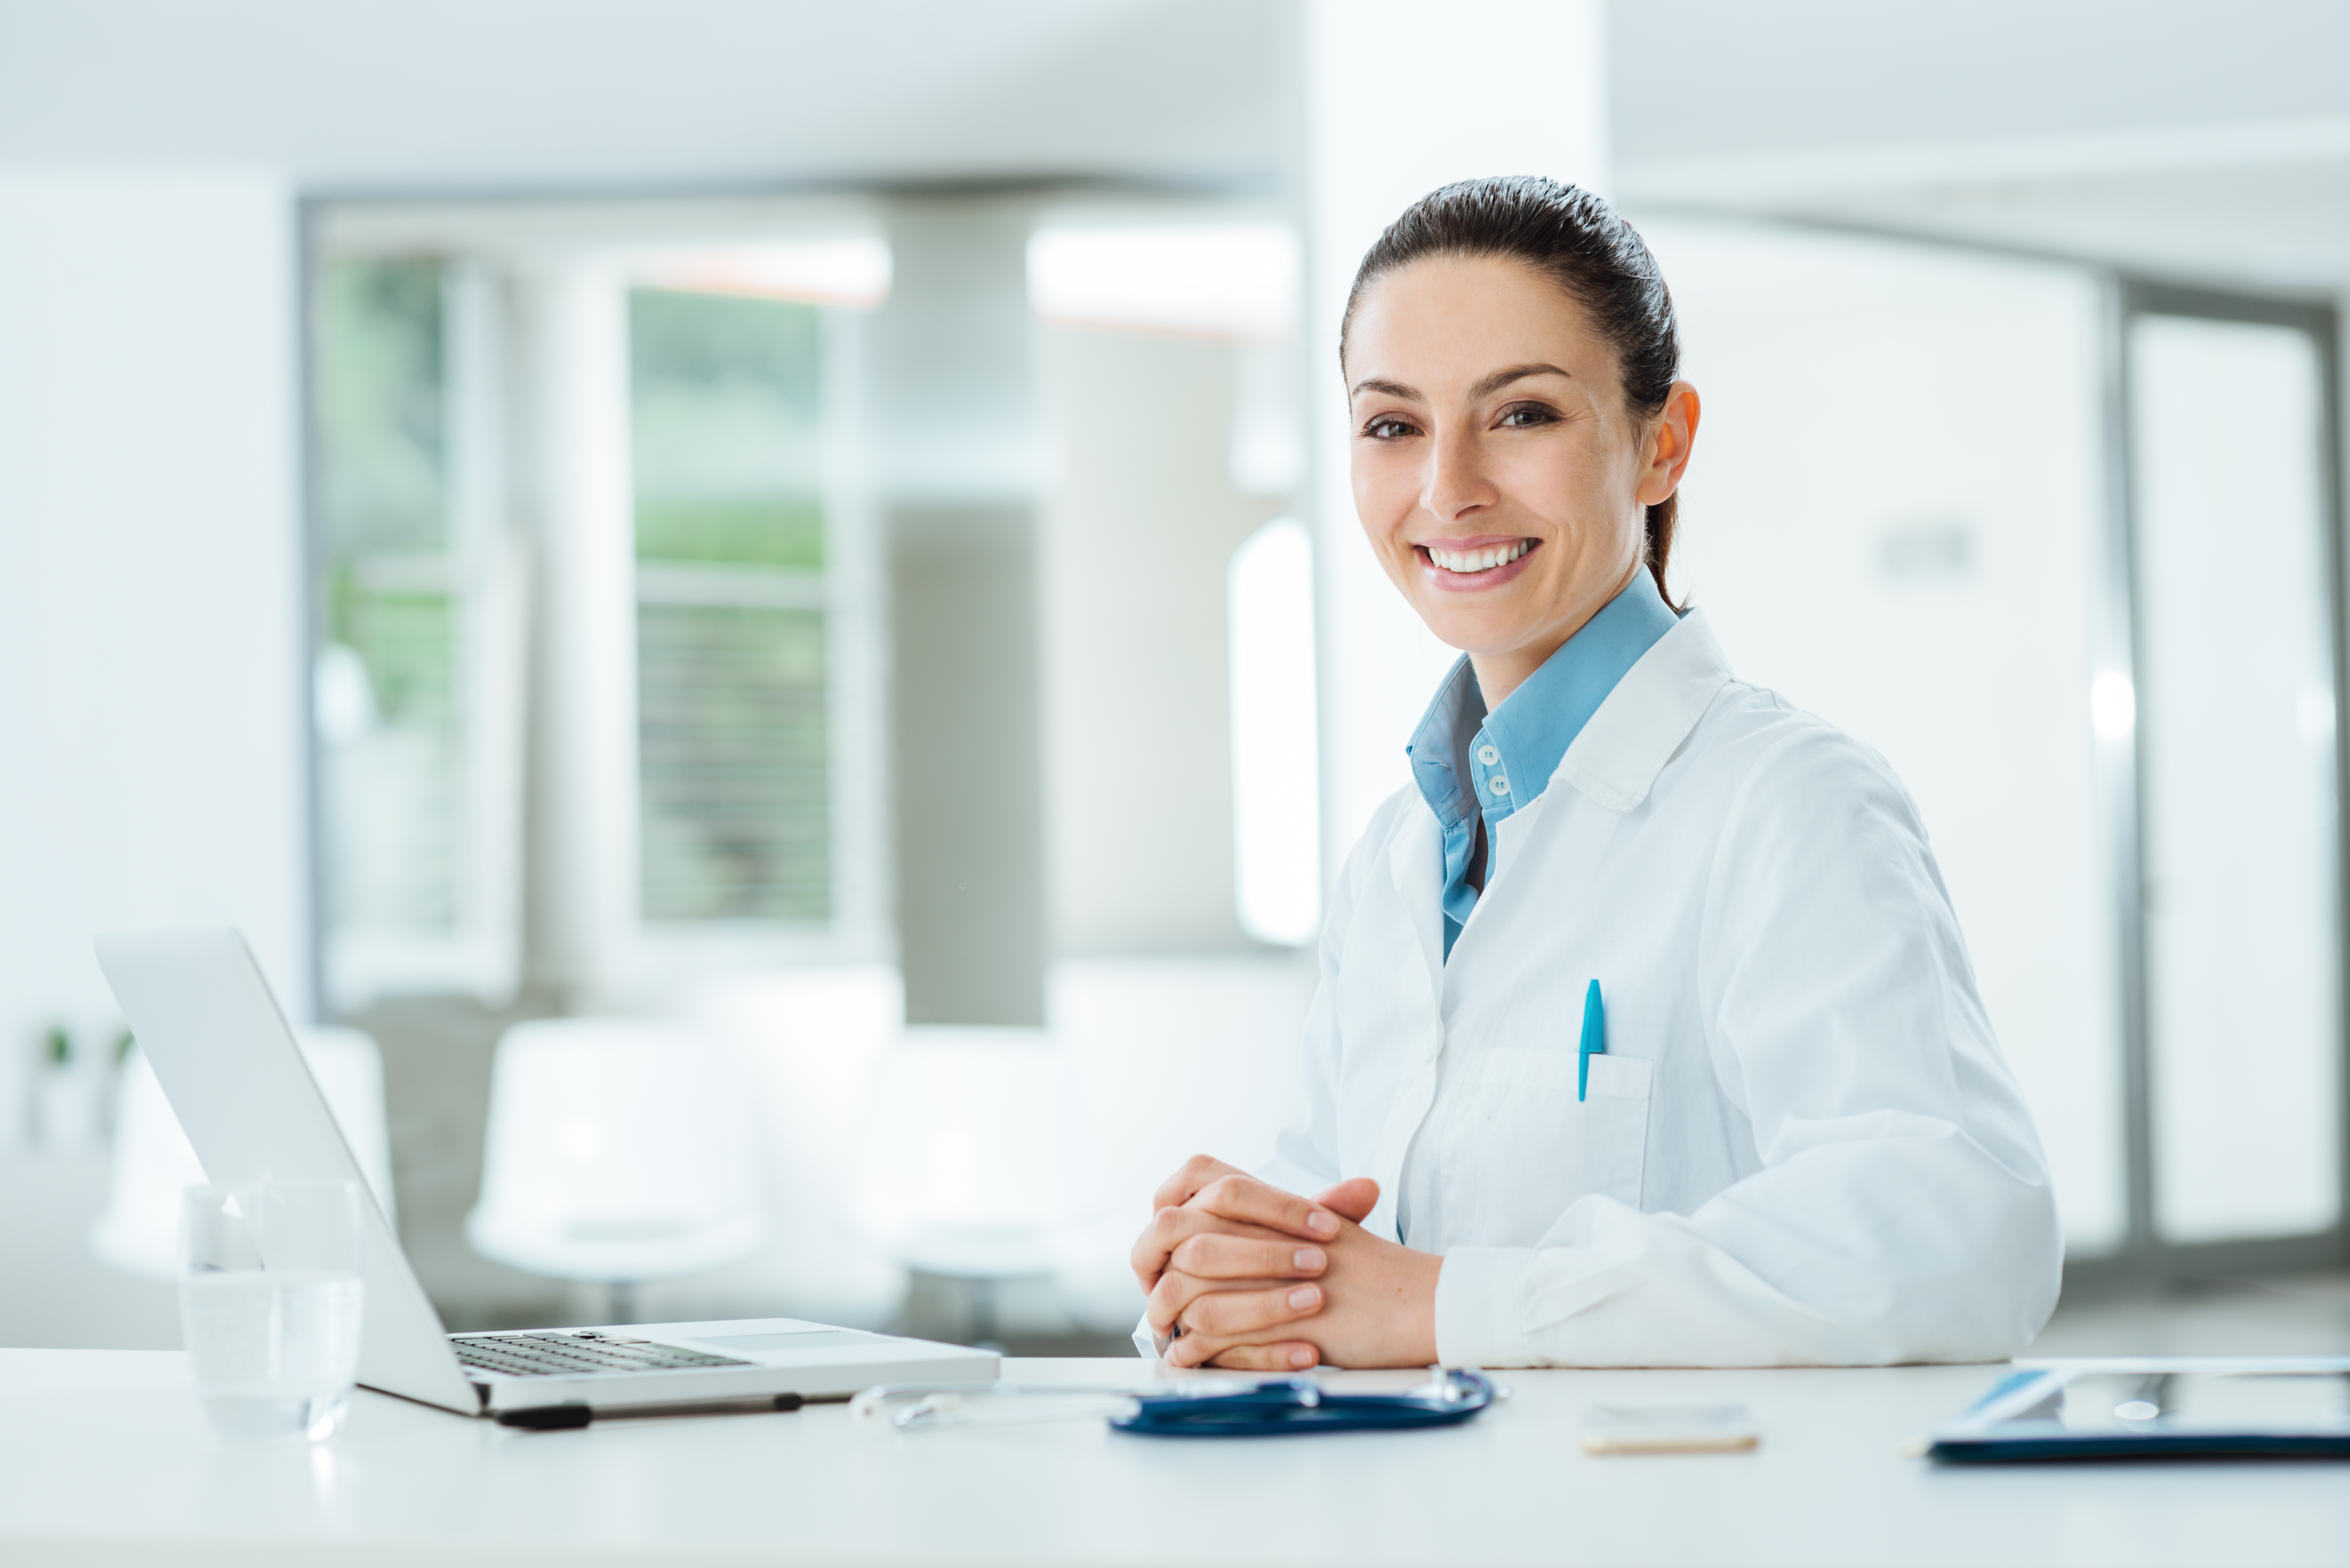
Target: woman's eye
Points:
(1526, 418)
(1385, 430)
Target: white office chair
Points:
(619, 1152)
(808, 1037)
(139, 1229)
(967, 1171)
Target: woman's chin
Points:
(1473, 634)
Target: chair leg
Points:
(982, 1314)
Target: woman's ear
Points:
(1671, 439)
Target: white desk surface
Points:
(104, 1459)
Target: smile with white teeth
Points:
(1478, 560)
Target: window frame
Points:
(492, 562)
(849, 597)
(2144, 1257)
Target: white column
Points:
(491, 564)
(1401, 98)
(856, 636)
(152, 584)
(952, 426)
(571, 473)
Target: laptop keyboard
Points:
(575, 1354)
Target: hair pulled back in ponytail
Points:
(1574, 238)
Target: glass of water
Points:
(270, 1297)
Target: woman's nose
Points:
(1455, 483)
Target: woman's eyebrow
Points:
(1391, 388)
(1501, 379)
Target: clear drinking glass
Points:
(270, 1298)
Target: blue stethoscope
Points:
(1291, 1404)
(1205, 1407)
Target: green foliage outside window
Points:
(732, 727)
(382, 486)
(392, 788)
(748, 531)
(728, 428)
(408, 641)
(379, 406)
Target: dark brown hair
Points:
(1575, 239)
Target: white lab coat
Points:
(1801, 1146)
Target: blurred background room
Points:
(754, 606)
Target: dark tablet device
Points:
(2157, 1407)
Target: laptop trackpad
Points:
(819, 1339)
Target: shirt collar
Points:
(1531, 731)
(1440, 747)
(1617, 758)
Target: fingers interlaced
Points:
(1212, 1255)
(1209, 1199)
(1176, 1291)
(1263, 1354)
(1226, 1310)
(1254, 1203)
(1184, 1185)
(1284, 1356)
(1227, 1259)
(1171, 1228)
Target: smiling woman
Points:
(1646, 1034)
(1458, 291)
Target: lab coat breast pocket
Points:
(1522, 1143)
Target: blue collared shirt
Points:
(1508, 756)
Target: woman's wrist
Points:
(1426, 1272)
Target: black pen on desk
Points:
(571, 1418)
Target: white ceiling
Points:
(1702, 78)
(2193, 138)
(2200, 138)
(519, 93)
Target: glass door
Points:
(2232, 558)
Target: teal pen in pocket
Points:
(1594, 1040)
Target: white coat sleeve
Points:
(1902, 1210)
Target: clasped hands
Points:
(1257, 1279)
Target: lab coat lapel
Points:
(1644, 720)
(1613, 761)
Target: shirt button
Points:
(1488, 755)
(1498, 785)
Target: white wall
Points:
(1388, 119)
(151, 591)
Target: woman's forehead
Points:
(1462, 315)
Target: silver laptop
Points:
(205, 1018)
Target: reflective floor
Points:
(2277, 1314)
